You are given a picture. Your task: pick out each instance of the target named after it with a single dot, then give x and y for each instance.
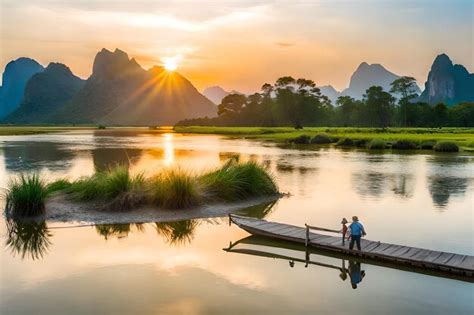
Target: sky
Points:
(240, 45)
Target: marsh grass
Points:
(118, 190)
(175, 189)
(446, 146)
(26, 195)
(236, 180)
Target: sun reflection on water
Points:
(168, 147)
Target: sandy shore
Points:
(60, 209)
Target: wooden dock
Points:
(403, 255)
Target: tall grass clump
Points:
(116, 186)
(446, 146)
(321, 138)
(26, 196)
(235, 181)
(377, 144)
(175, 189)
(404, 145)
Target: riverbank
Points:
(463, 137)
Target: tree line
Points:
(299, 103)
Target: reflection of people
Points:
(356, 274)
(357, 231)
(344, 230)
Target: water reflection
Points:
(28, 156)
(118, 230)
(261, 247)
(104, 158)
(28, 239)
(403, 185)
(371, 184)
(442, 187)
(177, 233)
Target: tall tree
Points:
(380, 106)
(347, 109)
(406, 87)
(231, 104)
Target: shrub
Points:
(345, 142)
(427, 145)
(321, 138)
(303, 139)
(377, 144)
(26, 196)
(235, 181)
(404, 145)
(446, 146)
(361, 143)
(175, 189)
(101, 127)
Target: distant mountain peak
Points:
(16, 75)
(215, 93)
(448, 83)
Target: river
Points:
(421, 200)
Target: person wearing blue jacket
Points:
(357, 231)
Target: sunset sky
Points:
(242, 44)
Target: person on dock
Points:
(357, 231)
(344, 230)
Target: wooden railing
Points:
(310, 227)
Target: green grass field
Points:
(464, 137)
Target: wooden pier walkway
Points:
(399, 254)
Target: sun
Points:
(170, 64)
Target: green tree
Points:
(231, 104)
(406, 88)
(347, 110)
(380, 106)
(440, 115)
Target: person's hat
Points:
(355, 218)
(344, 221)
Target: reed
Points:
(26, 195)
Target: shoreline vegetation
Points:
(438, 139)
(117, 190)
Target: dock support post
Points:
(306, 243)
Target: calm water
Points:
(181, 268)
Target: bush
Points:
(321, 138)
(427, 145)
(377, 144)
(360, 143)
(101, 127)
(446, 146)
(26, 196)
(404, 145)
(236, 181)
(345, 142)
(303, 139)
